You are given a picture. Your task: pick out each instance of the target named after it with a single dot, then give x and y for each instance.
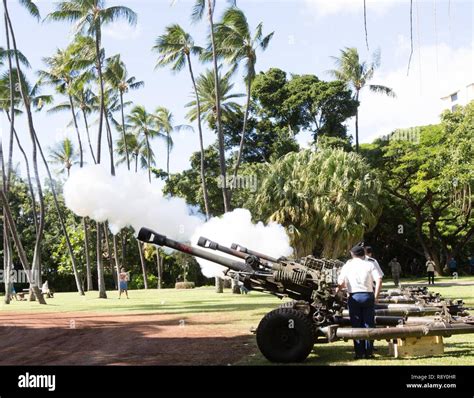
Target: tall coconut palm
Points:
(27, 103)
(164, 123)
(357, 75)
(117, 77)
(143, 125)
(14, 56)
(236, 43)
(90, 16)
(175, 48)
(135, 149)
(197, 14)
(61, 74)
(206, 88)
(64, 155)
(65, 72)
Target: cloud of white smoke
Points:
(128, 199)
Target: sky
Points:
(307, 34)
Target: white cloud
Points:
(323, 8)
(121, 30)
(443, 71)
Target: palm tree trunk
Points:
(220, 134)
(110, 144)
(142, 261)
(116, 259)
(109, 255)
(124, 135)
(21, 251)
(159, 267)
(242, 137)
(87, 255)
(12, 106)
(36, 266)
(79, 141)
(357, 124)
(61, 221)
(101, 88)
(28, 176)
(100, 264)
(201, 143)
(148, 155)
(6, 237)
(168, 156)
(88, 135)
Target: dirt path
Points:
(77, 338)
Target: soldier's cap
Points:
(358, 251)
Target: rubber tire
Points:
(280, 343)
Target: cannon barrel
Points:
(434, 329)
(250, 259)
(242, 249)
(149, 236)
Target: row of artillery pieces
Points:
(408, 317)
(412, 319)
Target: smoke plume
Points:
(128, 199)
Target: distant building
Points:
(458, 98)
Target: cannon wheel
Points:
(285, 335)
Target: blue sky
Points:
(307, 33)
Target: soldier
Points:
(396, 270)
(358, 276)
(369, 256)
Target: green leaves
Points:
(330, 197)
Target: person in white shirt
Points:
(358, 276)
(369, 255)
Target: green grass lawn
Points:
(247, 310)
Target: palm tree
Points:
(357, 75)
(164, 123)
(8, 104)
(236, 44)
(117, 77)
(326, 199)
(143, 125)
(135, 150)
(27, 103)
(64, 155)
(61, 73)
(90, 16)
(175, 48)
(197, 14)
(206, 87)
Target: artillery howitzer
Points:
(317, 314)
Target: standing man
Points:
(430, 269)
(471, 264)
(358, 276)
(396, 270)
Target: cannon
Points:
(317, 314)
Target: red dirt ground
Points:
(78, 338)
